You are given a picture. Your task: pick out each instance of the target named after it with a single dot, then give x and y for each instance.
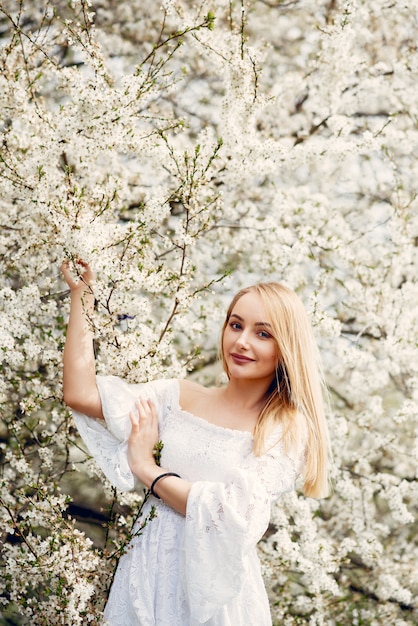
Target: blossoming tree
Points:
(186, 151)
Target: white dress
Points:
(202, 568)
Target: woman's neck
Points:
(246, 394)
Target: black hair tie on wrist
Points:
(155, 481)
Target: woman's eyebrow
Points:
(237, 316)
(241, 319)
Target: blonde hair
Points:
(295, 397)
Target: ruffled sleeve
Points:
(224, 521)
(107, 441)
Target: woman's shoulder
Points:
(191, 394)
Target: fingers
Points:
(65, 267)
(134, 421)
(83, 274)
(68, 276)
(146, 415)
(144, 434)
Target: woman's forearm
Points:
(173, 490)
(79, 380)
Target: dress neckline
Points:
(209, 425)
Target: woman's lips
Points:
(240, 358)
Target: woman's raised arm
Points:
(79, 383)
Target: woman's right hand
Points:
(76, 283)
(143, 437)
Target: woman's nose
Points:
(242, 340)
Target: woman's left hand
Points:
(144, 436)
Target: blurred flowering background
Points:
(186, 150)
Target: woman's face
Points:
(249, 349)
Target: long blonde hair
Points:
(295, 397)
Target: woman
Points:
(228, 453)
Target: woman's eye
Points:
(264, 334)
(235, 325)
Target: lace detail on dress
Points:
(224, 522)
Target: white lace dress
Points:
(202, 568)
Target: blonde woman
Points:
(228, 453)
